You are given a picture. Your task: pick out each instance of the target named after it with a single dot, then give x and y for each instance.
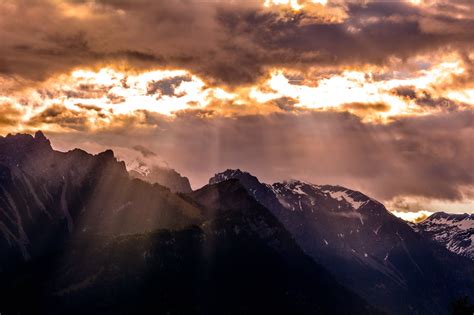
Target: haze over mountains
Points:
(80, 235)
(162, 175)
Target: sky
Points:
(374, 95)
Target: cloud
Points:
(427, 101)
(166, 87)
(408, 92)
(278, 90)
(365, 109)
(224, 42)
(61, 116)
(415, 217)
(144, 151)
(428, 156)
(9, 115)
(108, 96)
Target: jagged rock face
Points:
(366, 247)
(228, 208)
(167, 177)
(84, 229)
(238, 260)
(45, 194)
(453, 231)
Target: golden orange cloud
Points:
(361, 87)
(315, 11)
(294, 4)
(101, 97)
(414, 217)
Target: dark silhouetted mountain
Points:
(80, 237)
(46, 195)
(164, 176)
(368, 249)
(453, 231)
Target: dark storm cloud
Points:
(223, 41)
(363, 109)
(426, 156)
(166, 87)
(438, 102)
(408, 92)
(285, 103)
(89, 107)
(427, 100)
(144, 151)
(9, 115)
(87, 91)
(62, 116)
(115, 99)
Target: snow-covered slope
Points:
(370, 250)
(156, 174)
(454, 231)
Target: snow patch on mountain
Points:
(226, 175)
(158, 174)
(454, 231)
(464, 223)
(139, 167)
(345, 195)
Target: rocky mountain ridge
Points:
(80, 236)
(454, 231)
(374, 253)
(162, 175)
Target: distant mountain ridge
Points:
(454, 231)
(156, 174)
(78, 235)
(46, 195)
(367, 248)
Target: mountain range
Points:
(371, 251)
(79, 234)
(454, 231)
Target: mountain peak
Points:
(296, 182)
(449, 216)
(454, 231)
(41, 140)
(156, 174)
(107, 154)
(17, 147)
(26, 139)
(39, 136)
(231, 174)
(295, 188)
